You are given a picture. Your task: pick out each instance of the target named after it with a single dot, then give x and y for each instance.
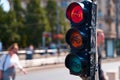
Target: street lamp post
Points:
(117, 19)
(58, 24)
(117, 36)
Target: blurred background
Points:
(43, 24)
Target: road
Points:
(62, 73)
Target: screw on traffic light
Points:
(79, 38)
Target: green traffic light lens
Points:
(75, 65)
(73, 62)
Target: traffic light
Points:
(80, 60)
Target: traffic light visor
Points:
(74, 12)
(73, 62)
(74, 38)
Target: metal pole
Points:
(116, 5)
(43, 41)
(117, 18)
(93, 32)
(119, 73)
(58, 24)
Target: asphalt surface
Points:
(110, 66)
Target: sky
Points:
(5, 5)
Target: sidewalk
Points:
(110, 66)
(55, 60)
(114, 59)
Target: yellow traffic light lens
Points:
(76, 39)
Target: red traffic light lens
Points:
(75, 12)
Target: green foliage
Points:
(26, 26)
(56, 17)
(18, 11)
(2, 16)
(63, 22)
(36, 22)
(51, 14)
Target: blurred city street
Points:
(53, 38)
(60, 72)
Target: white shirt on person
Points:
(10, 61)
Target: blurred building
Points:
(106, 20)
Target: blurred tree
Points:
(56, 17)
(2, 15)
(51, 14)
(20, 21)
(2, 24)
(18, 11)
(36, 22)
(12, 28)
(26, 26)
(64, 25)
(8, 30)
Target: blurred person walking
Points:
(9, 62)
(1, 46)
(53, 47)
(100, 41)
(29, 52)
(29, 55)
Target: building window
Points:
(100, 26)
(99, 13)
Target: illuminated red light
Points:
(74, 12)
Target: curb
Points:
(53, 62)
(112, 59)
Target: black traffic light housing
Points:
(79, 38)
